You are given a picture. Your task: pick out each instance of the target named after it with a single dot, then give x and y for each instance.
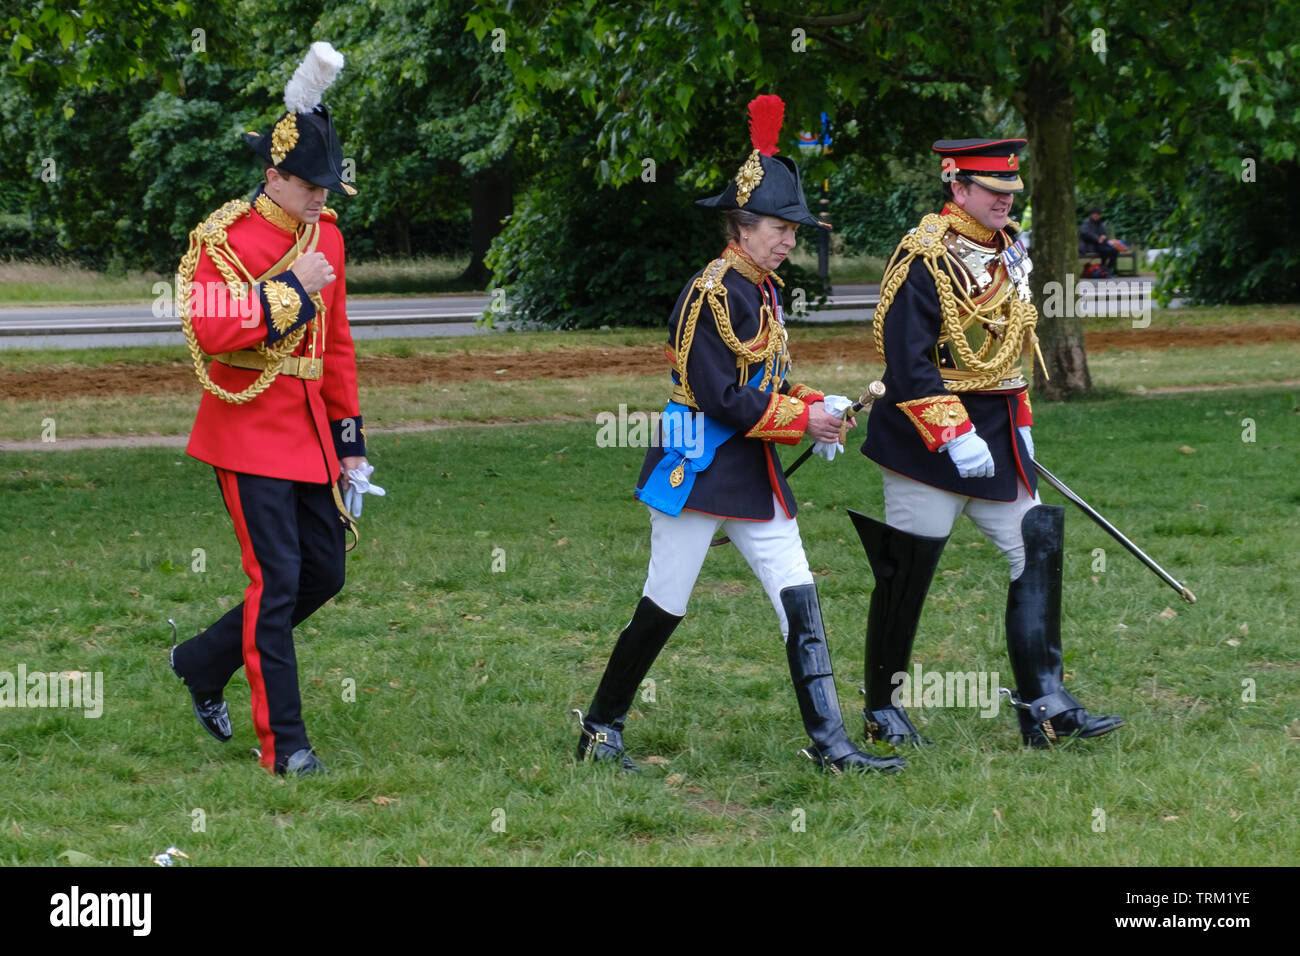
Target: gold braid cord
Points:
(210, 236)
(1016, 318)
(708, 287)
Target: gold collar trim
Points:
(959, 220)
(743, 264)
(273, 214)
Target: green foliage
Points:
(53, 52)
(576, 255)
(1234, 239)
(21, 238)
(145, 151)
(872, 219)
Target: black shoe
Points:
(891, 725)
(1046, 710)
(603, 743)
(301, 763)
(210, 709)
(1049, 720)
(814, 688)
(903, 565)
(856, 761)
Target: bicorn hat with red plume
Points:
(766, 184)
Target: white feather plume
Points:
(313, 77)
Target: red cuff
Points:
(784, 421)
(1024, 413)
(939, 418)
(806, 392)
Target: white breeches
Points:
(678, 546)
(922, 509)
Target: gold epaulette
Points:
(767, 345)
(330, 214)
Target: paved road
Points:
(118, 325)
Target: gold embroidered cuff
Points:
(939, 418)
(284, 304)
(784, 421)
(805, 392)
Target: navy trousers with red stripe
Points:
(292, 545)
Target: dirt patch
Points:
(174, 378)
(1195, 337)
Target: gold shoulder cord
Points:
(1018, 320)
(210, 236)
(708, 286)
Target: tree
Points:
(428, 110)
(1105, 77)
(99, 44)
(630, 93)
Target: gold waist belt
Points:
(1015, 378)
(299, 366)
(681, 398)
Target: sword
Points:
(1115, 533)
(874, 391)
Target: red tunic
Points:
(285, 431)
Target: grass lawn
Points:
(1114, 370)
(457, 745)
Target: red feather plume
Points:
(766, 114)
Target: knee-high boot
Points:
(814, 687)
(633, 654)
(903, 565)
(1047, 711)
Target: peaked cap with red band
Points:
(766, 184)
(992, 163)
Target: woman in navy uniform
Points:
(952, 435)
(715, 466)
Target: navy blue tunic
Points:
(912, 358)
(745, 471)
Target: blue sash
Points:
(691, 457)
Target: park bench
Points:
(1121, 269)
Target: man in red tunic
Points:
(279, 420)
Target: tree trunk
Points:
(1047, 106)
(491, 199)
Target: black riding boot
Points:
(903, 565)
(636, 649)
(1047, 711)
(814, 687)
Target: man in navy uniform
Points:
(952, 435)
(715, 466)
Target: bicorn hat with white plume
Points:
(303, 140)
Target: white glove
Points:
(359, 485)
(836, 406)
(1029, 439)
(971, 455)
